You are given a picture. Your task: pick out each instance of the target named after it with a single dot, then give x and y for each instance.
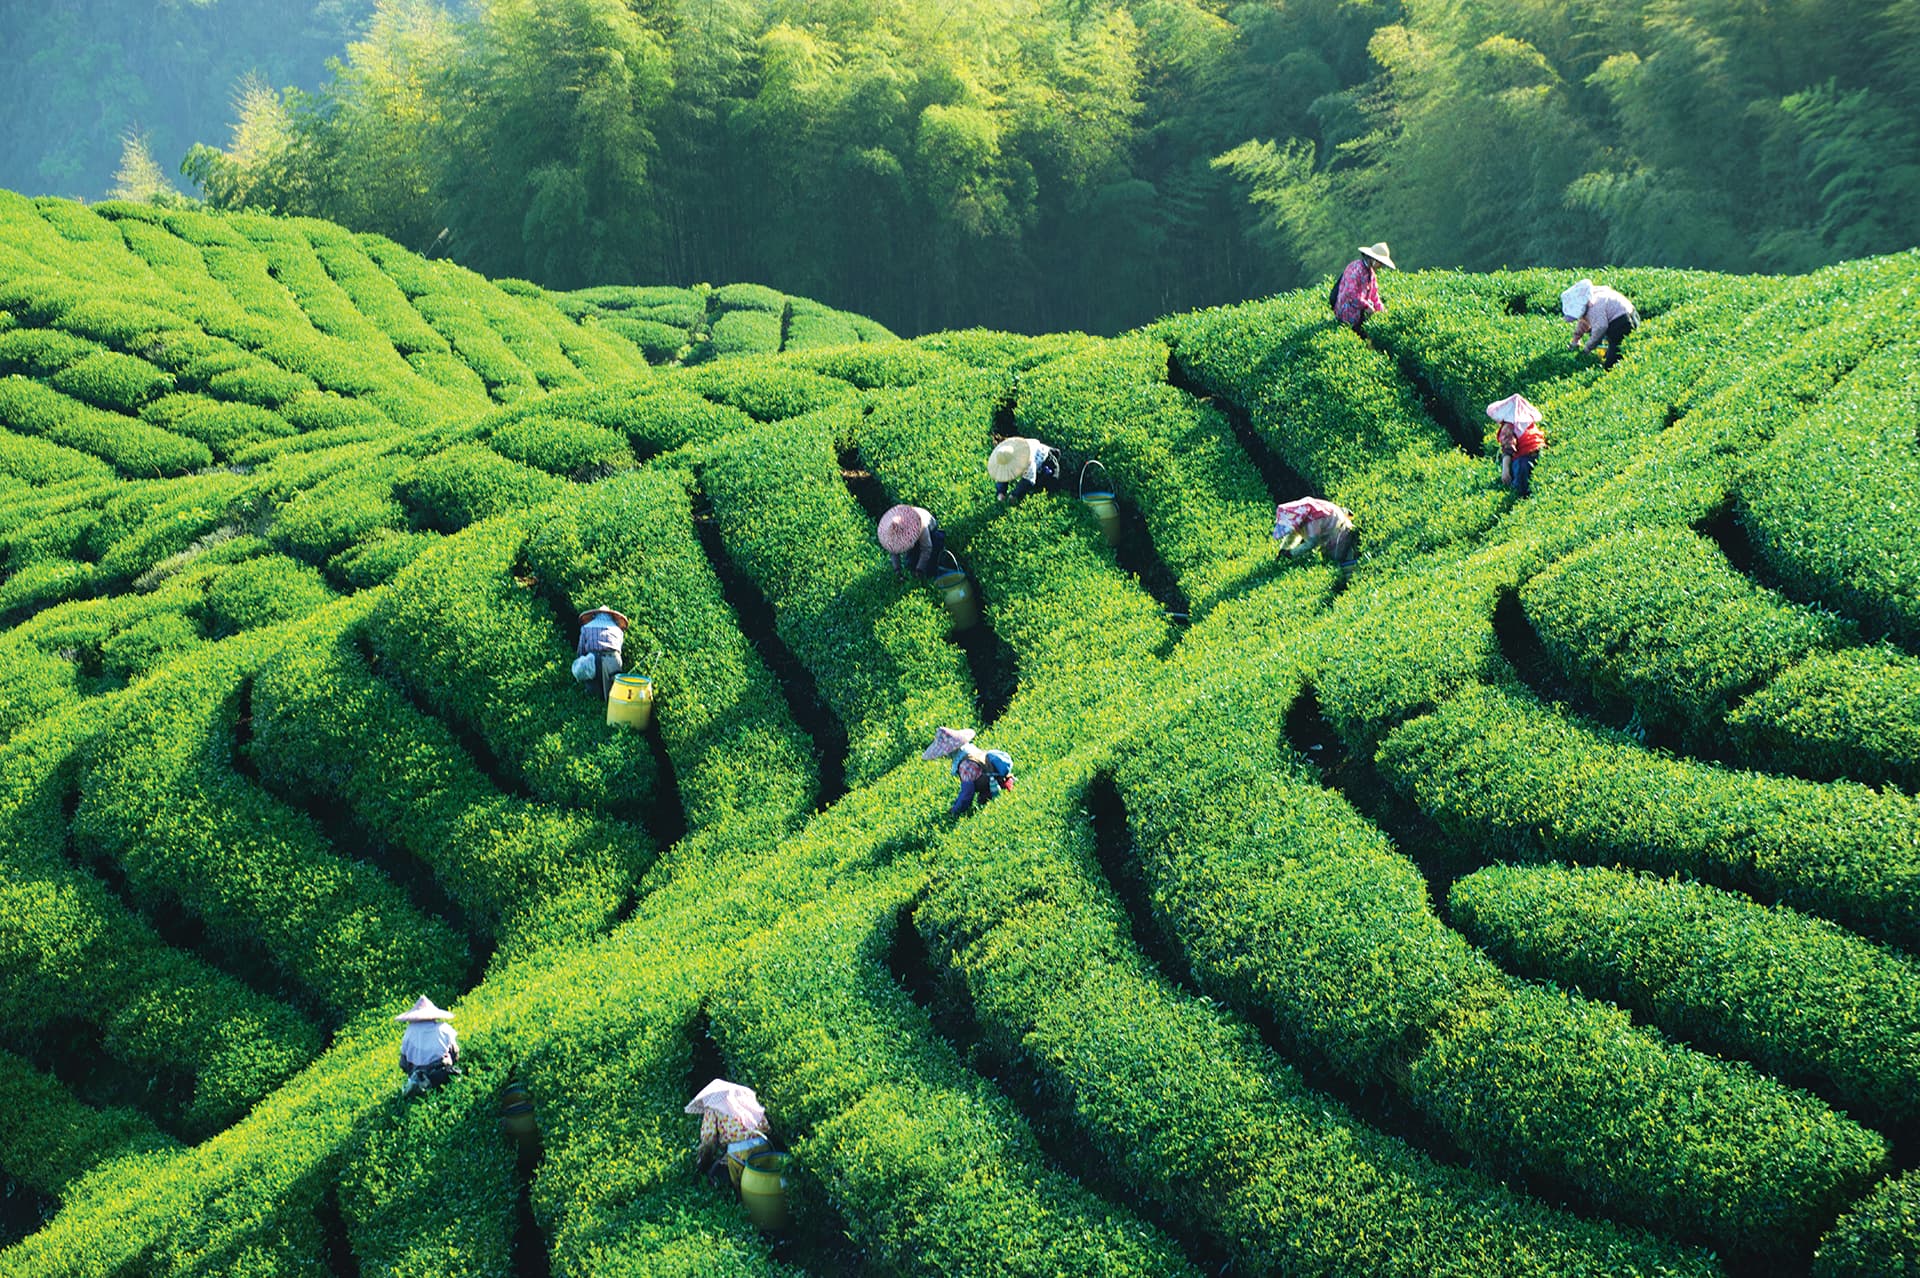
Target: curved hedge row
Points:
(874, 643)
(70, 950)
(1877, 1237)
(1286, 901)
(1332, 407)
(1190, 1114)
(767, 390)
(51, 1139)
(1680, 1141)
(1282, 897)
(1659, 618)
(933, 1170)
(160, 798)
(1831, 501)
(1800, 997)
(429, 1188)
(736, 752)
(1853, 713)
(486, 650)
(326, 727)
(1498, 769)
(128, 444)
(1204, 505)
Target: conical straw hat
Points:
(1515, 409)
(946, 741)
(901, 526)
(732, 1099)
(1010, 459)
(1378, 252)
(620, 617)
(424, 1010)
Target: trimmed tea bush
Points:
(1498, 768)
(1659, 618)
(1853, 713)
(1801, 998)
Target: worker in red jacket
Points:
(1521, 440)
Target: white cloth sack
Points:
(584, 668)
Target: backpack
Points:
(1000, 762)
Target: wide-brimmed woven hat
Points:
(946, 741)
(1378, 252)
(901, 526)
(1573, 302)
(732, 1099)
(424, 1010)
(1010, 459)
(1515, 409)
(591, 613)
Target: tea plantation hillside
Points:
(1544, 899)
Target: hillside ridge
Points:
(1276, 958)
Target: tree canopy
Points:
(1044, 164)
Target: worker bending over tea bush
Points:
(1313, 523)
(729, 1113)
(983, 774)
(1600, 315)
(1521, 440)
(1023, 465)
(429, 1049)
(603, 632)
(913, 537)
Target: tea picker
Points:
(429, 1049)
(1023, 465)
(912, 536)
(603, 632)
(983, 774)
(1356, 294)
(732, 1120)
(1600, 315)
(1313, 523)
(731, 1117)
(1521, 440)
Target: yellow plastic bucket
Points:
(763, 1188)
(1105, 508)
(956, 592)
(1104, 504)
(739, 1151)
(630, 703)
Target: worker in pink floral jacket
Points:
(1357, 295)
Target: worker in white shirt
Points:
(429, 1049)
(1598, 314)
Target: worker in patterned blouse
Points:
(912, 536)
(983, 774)
(1357, 294)
(1024, 465)
(728, 1113)
(1521, 440)
(1312, 523)
(429, 1048)
(1598, 314)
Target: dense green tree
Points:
(1046, 164)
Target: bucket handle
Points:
(955, 558)
(1091, 462)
